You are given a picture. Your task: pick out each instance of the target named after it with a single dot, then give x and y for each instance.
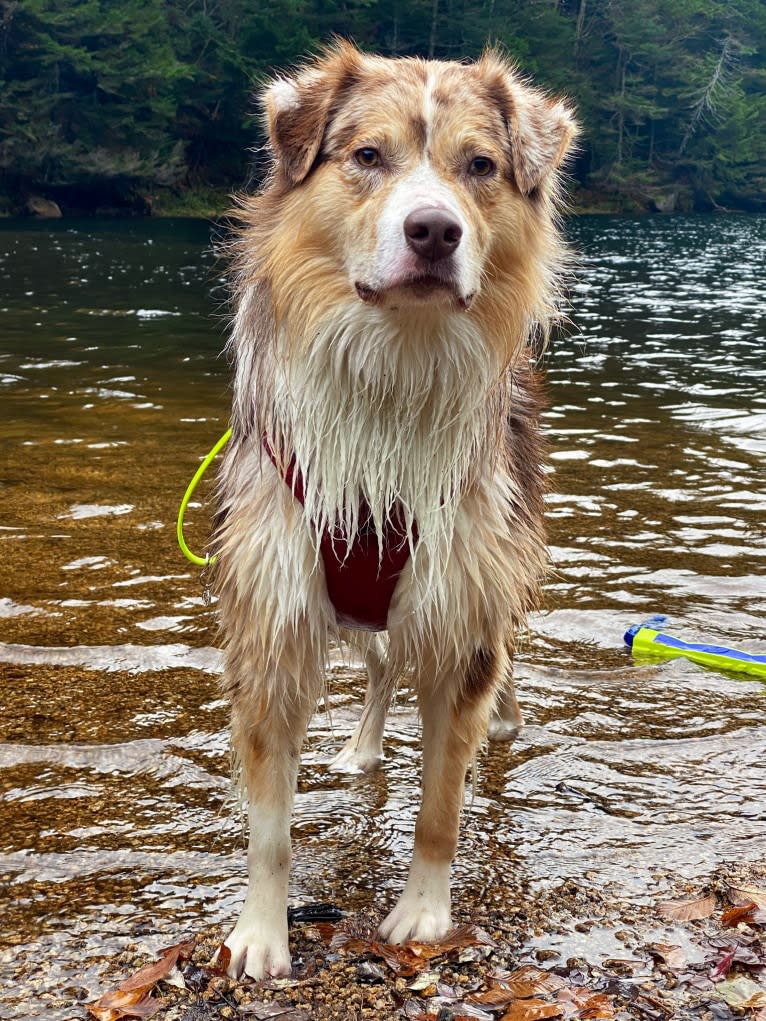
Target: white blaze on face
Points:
(392, 263)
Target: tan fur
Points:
(400, 387)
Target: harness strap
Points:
(360, 578)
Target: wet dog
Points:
(385, 471)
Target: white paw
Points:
(352, 759)
(258, 950)
(416, 920)
(502, 730)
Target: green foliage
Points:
(126, 97)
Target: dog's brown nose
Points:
(432, 233)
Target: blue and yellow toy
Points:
(646, 643)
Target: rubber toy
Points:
(647, 643)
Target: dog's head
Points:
(412, 182)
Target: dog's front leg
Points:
(455, 711)
(267, 735)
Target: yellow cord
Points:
(200, 561)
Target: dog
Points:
(385, 475)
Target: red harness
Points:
(360, 579)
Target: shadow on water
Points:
(117, 809)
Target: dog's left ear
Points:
(541, 130)
(297, 109)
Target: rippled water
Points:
(117, 818)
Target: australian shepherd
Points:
(384, 482)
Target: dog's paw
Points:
(258, 952)
(503, 730)
(416, 920)
(354, 759)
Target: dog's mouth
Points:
(421, 288)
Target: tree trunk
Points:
(579, 26)
(621, 112)
(432, 34)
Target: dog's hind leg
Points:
(506, 720)
(455, 710)
(363, 751)
(269, 724)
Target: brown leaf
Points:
(530, 981)
(496, 996)
(409, 958)
(532, 1010)
(740, 913)
(584, 1003)
(675, 957)
(150, 974)
(119, 1003)
(221, 961)
(741, 893)
(688, 910)
(132, 997)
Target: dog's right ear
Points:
(297, 109)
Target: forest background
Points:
(147, 105)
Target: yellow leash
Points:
(206, 560)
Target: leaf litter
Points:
(703, 954)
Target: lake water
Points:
(117, 822)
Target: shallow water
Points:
(117, 819)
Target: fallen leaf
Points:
(598, 1006)
(118, 1003)
(132, 998)
(456, 939)
(423, 981)
(532, 1010)
(756, 894)
(495, 996)
(266, 1011)
(221, 961)
(742, 993)
(721, 969)
(688, 910)
(741, 913)
(410, 958)
(461, 1011)
(584, 1003)
(150, 974)
(673, 956)
(530, 980)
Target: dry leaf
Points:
(584, 1003)
(495, 996)
(150, 974)
(266, 1011)
(675, 957)
(597, 1006)
(756, 894)
(221, 961)
(688, 910)
(135, 1003)
(132, 998)
(530, 981)
(532, 1010)
(742, 993)
(409, 958)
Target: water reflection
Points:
(114, 765)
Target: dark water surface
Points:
(117, 821)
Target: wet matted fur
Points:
(390, 278)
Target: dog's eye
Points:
(481, 166)
(367, 157)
